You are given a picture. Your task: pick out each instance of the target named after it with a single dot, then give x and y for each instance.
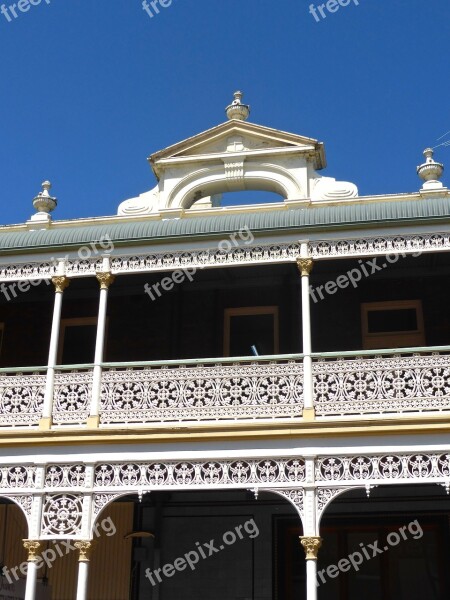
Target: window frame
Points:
(392, 339)
(250, 311)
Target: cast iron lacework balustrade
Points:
(382, 468)
(209, 257)
(12, 477)
(194, 473)
(70, 476)
(380, 245)
(397, 384)
(72, 397)
(21, 399)
(62, 514)
(214, 257)
(217, 392)
(158, 261)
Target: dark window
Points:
(251, 330)
(392, 320)
(78, 344)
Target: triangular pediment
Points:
(235, 136)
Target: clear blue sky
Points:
(90, 88)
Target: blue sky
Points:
(91, 88)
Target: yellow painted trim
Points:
(93, 422)
(45, 424)
(309, 414)
(229, 432)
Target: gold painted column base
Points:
(45, 424)
(309, 414)
(93, 422)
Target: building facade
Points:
(243, 402)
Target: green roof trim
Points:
(265, 221)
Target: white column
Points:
(60, 281)
(105, 279)
(305, 266)
(32, 546)
(311, 546)
(83, 569)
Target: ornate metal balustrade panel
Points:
(228, 473)
(158, 261)
(217, 392)
(21, 399)
(384, 468)
(17, 477)
(73, 495)
(65, 476)
(72, 397)
(382, 385)
(210, 257)
(376, 246)
(62, 515)
(215, 257)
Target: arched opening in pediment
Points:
(238, 198)
(212, 183)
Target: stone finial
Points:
(44, 203)
(237, 110)
(430, 171)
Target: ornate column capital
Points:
(60, 282)
(311, 546)
(85, 549)
(32, 547)
(305, 266)
(105, 279)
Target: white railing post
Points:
(105, 279)
(60, 281)
(305, 265)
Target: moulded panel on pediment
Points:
(234, 136)
(237, 143)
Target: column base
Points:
(93, 422)
(45, 424)
(309, 414)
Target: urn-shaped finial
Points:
(44, 203)
(430, 171)
(237, 110)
